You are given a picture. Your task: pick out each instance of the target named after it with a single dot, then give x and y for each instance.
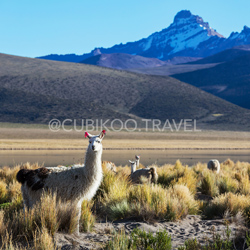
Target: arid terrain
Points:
(31, 137)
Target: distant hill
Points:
(133, 62)
(36, 90)
(182, 59)
(229, 80)
(22, 107)
(188, 36)
(171, 69)
(123, 61)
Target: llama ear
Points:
(102, 134)
(88, 135)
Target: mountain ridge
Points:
(189, 35)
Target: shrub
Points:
(143, 240)
(43, 240)
(119, 210)
(119, 241)
(228, 163)
(67, 217)
(228, 184)
(244, 185)
(3, 192)
(177, 174)
(87, 219)
(208, 183)
(188, 178)
(155, 202)
(140, 240)
(233, 203)
(43, 215)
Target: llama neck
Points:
(93, 159)
(137, 162)
(133, 168)
(93, 165)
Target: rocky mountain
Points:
(188, 36)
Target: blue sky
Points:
(34, 28)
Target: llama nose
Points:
(93, 147)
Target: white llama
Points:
(137, 176)
(137, 160)
(214, 165)
(70, 184)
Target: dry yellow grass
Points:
(87, 219)
(43, 240)
(171, 199)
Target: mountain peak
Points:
(182, 14)
(96, 52)
(246, 30)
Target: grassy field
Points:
(177, 194)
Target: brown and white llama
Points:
(70, 184)
(138, 176)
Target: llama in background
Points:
(148, 174)
(214, 165)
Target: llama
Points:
(137, 176)
(137, 160)
(214, 165)
(70, 184)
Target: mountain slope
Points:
(22, 107)
(226, 55)
(168, 69)
(83, 89)
(229, 80)
(189, 36)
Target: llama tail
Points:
(22, 175)
(154, 174)
(33, 178)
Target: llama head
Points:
(95, 141)
(137, 157)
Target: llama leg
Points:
(25, 200)
(78, 212)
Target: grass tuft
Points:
(87, 219)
